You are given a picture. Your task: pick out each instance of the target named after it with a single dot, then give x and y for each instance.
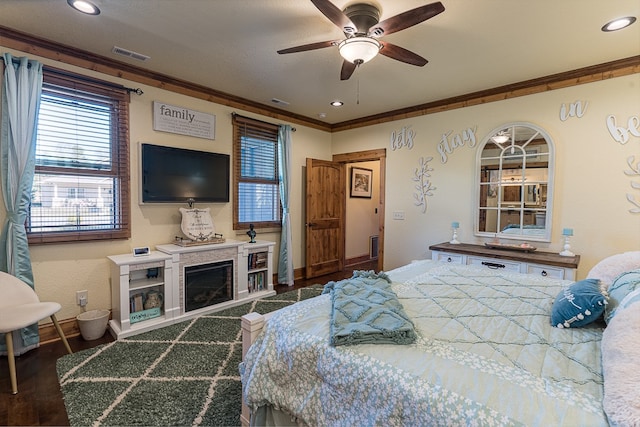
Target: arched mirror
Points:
(514, 173)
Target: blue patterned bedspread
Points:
(486, 355)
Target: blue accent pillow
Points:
(621, 286)
(578, 304)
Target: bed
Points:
(485, 353)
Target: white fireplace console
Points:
(162, 273)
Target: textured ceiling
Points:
(230, 46)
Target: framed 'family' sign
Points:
(183, 121)
(361, 182)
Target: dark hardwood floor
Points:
(39, 399)
(344, 274)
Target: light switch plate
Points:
(398, 215)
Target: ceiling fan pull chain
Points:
(358, 89)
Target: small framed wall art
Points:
(361, 182)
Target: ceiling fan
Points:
(362, 28)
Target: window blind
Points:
(256, 189)
(81, 183)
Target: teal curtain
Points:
(285, 260)
(21, 90)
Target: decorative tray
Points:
(180, 241)
(521, 248)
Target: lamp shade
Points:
(359, 50)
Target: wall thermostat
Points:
(141, 251)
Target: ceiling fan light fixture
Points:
(359, 50)
(84, 6)
(500, 138)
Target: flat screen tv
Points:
(175, 175)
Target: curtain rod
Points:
(60, 72)
(87, 79)
(258, 120)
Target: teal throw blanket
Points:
(364, 310)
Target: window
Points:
(256, 186)
(81, 185)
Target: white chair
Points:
(19, 308)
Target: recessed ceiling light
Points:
(84, 6)
(337, 103)
(618, 24)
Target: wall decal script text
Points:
(403, 138)
(620, 133)
(447, 144)
(576, 109)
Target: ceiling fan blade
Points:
(406, 19)
(335, 15)
(401, 54)
(347, 70)
(310, 46)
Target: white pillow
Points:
(620, 361)
(611, 267)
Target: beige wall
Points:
(591, 187)
(590, 194)
(62, 269)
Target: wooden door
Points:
(325, 213)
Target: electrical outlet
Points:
(398, 215)
(82, 298)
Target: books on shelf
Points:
(138, 299)
(258, 260)
(136, 302)
(257, 281)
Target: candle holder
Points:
(454, 239)
(567, 233)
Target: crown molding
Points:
(52, 50)
(594, 73)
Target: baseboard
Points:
(49, 334)
(298, 274)
(357, 260)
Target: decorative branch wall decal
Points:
(424, 186)
(633, 170)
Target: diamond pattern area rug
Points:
(183, 374)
